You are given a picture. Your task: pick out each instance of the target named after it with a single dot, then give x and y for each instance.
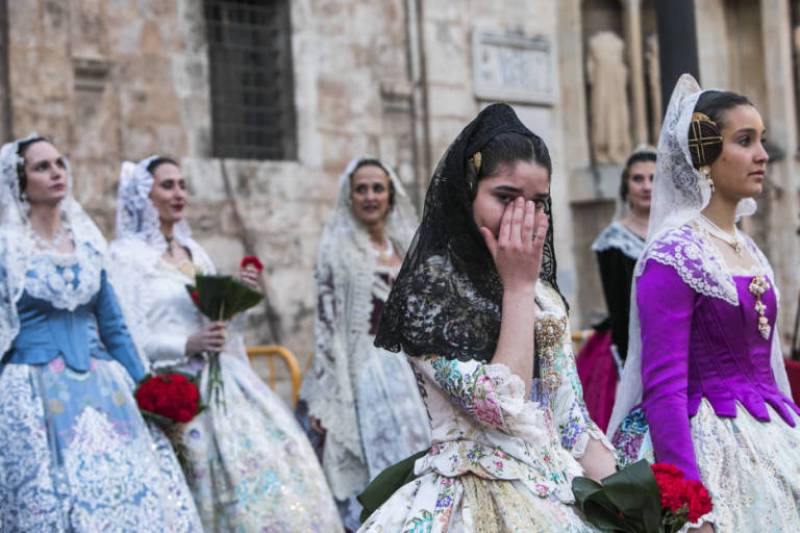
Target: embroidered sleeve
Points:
(489, 393)
(575, 426)
(114, 333)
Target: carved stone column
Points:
(633, 36)
(780, 118)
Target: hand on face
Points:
(740, 169)
(518, 249)
(169, 193)
(45, 174)
(369, 194)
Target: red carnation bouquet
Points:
(642, 499)
(221, 298)
(168, 398)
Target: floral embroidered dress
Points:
(365, 397)
(247, 461)
(498, 460)
(75, 454)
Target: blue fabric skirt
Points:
(76, 455)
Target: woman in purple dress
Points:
(704, 386)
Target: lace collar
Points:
(618, 235)
(65, 280)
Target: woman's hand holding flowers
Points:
(209, 339)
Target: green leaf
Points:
(223, 297)
(386, 484)
(635, 492)
(596, 506)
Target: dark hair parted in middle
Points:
(636, 157)
(506, 149)
(160, 160)
(22, 148)
(372, 162)
(705, 138)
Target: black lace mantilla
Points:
(448, 295)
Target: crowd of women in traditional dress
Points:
(443, 348)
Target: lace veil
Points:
(136, 214)
(680, 193)
(345, 273)
(447, 297)
(16, 244)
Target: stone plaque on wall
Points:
(513, 68)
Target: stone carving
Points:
(610, 118)
(513, 68)
(654, 85)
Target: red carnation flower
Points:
(252, 261)
(195, 297)
(169, 396)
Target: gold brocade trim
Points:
(497, 506)
(548, 332)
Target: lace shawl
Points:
(447, 297)
(617, 235)
(680, 194)
(344, 276)
(17, 249)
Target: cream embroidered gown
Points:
(247, 462)
(498, 462)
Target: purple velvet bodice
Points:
(696, 346)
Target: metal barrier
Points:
(270, 351)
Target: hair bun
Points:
(705, 140)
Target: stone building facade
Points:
(122, 79)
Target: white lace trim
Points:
(618, 235)
(65, 280)
(695, 260)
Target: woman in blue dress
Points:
(75, 453)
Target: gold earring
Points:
(705, 170)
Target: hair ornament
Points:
(704, 139)
(476, 161)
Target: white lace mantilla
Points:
(65, 280)
(617, 235)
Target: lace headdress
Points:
(344, 229)
(447, 297)
(16, 243)
(136, 215)
(680, 193)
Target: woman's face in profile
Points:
(45, 174)
(741, 167)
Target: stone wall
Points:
(120, 80)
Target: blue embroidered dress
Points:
(75, 453)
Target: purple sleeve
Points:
(666, 304)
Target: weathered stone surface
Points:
(121, 80)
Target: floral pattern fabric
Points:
(75, 453)
(750, 468)
(248, 464)
(497, 462)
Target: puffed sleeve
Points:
(489, 393)
(665, 326)
(113, 331)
